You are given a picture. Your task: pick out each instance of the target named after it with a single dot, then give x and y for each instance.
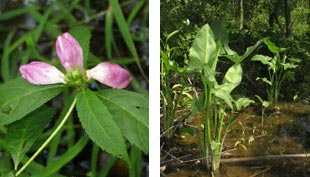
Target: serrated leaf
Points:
(82, 35)
(99, 124)
(130, 111)
(22, 134)
(18, 98)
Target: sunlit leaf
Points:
(203, 50)
(232, 78)
(130, 111)
(99, 124)
(18, 98)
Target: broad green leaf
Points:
(223, 95)
(250, 50)
(18, 98)
(82, 35)
(232, 78)
(266, 104)
(288, 66)
(203, 50)
(209, 76)
(99, 124)
(233, 57)
(294, 60)
(242, 103)
(220, 32)
(266, 60)
(7, 174)
(271, 46)
(130, 111)
(23, 133)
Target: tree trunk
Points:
(288, 23)
(241, 14)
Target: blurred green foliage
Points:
(262, 18)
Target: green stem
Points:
(49, 139)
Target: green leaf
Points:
(243, 102)
(22, 134)
(271, 46)
(18, 98)
(288, 66)
(17, 12)
(130, 111)
(264, 79)
(232, 78)
(220, 32)
(266, 60)
(82, 35)
(99, 124)
(266, 104)
(250, 50)
(124, 30)
(203, 50)
(223, 95)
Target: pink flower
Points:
(71, 57)
(41, 73)
(69, 52)
(110, 74)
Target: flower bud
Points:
(40, 73)
(110, 74)
(69, 52)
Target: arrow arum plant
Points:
(279, 69)
(217, 99)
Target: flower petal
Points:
(69, 52)
(110, 74)
(40, 73)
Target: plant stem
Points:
(49, 138)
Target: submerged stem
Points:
(49, 139)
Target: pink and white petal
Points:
(110, 74)
(69, 52)
(40, 73)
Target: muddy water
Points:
(252, 150)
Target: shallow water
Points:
(287, 132)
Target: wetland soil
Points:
(280, 147)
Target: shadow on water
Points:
(281, 148)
